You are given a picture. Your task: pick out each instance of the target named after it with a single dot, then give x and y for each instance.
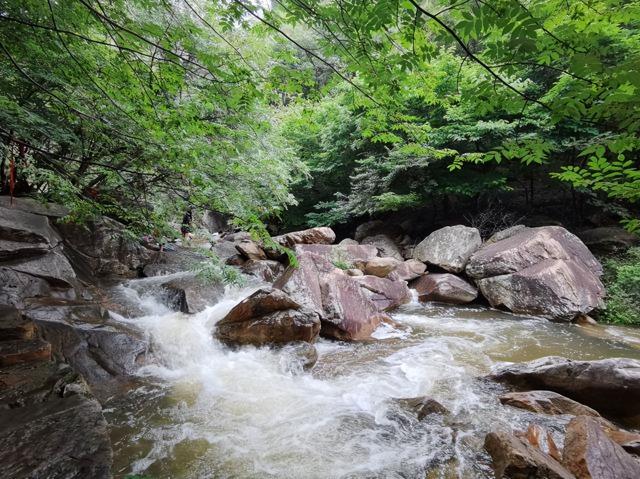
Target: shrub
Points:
(622, 279)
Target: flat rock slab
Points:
(546, 402)
(62, 438)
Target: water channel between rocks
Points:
(205, 411)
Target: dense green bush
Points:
(622, 278)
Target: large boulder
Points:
(353, 255)
(64, 437)
(386, 246)
(590, 454)
(268, 317)
(319, 235)
(409, 270)
(385, 293)
(444, 288)
(610, 386)
(449, 248)
(514, 458)
(546, 402)
(543, 271)
(380, 267)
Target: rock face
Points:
(610, 386)
(386, 246)
(268, 317)
(449, 248)
(543, 271)
(590, 454)
(445, 288)
(514, 458)
(64, 437)
(320, 235)
(385, 293)
(546, 402)
(380, 267)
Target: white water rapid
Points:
(205, 411)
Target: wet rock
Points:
(542, 439)
(251, 250)
(514, 458)
(423, 406)
(380, 267)
(385, 293)
(24, 351)
(65, 437)
(546, 402)
(190, 294)
(302, 282)
(300, 356)
(449, 248)
(225, 250)
(445, 288)
(630, 441)
(15, 326)
(558, 290)
(319, 235)
(409, 270)
(610, 386)
(268, 317)
(105, 248)
(386, 246)
(266, 270)
(590, 454)
(608, 240)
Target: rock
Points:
(235, 260)
(449, 248)
(542, 439)
(53, 267)
(352, 255)
(66, 437)
(506, 233)
(225, 250)
(385, 293)
(409, 270)
(608, 240)
(104, 247)
(590, 454)
(546, 402)
(15, 287)
(24, 351)
(300, 356)
(190, 294)
(302, 282)
(319, 235)
(528, 248)
(514, 458)
(348, 242)
(30, 205)
(23, 227)
(251, 250)
(610, 386)
(386, 246)
(376, 227)
(584, 320)
(558, 290)
(445, 288)
(380, 267)
(170, 262)
(268, 317)
(354, 272)
(15, 326)
(348, 314)
(422, 406)
(630, 441)
(215, 222)
(266, 270)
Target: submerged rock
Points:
(610, 386)
(445, 288)
(449, 248)
(546, 402)
(422, 406)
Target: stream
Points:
(205, 411)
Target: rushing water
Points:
(206, 411)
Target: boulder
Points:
(348, 242)
(215, 222)
(409, 270)
(422, 406)
(590, 454)
(190, 294)
(354, 272)
(542, 439)
(609, 239)
(449, 248)
(546, 402)
(23, 227)
(515, 458)
(445, 288)
(53, 267)
(354, 255)
(15, 326)
(380, 267)
(630, 441)
(385, 293)
(224, 250)
(64, 437)
(251, 250)
(386, 246)
(300, 356)
(610, 386)
(267, 270)
(319, 235)
(302, 281)
(268, 317)
(30, 205)
(505, 233)
(16, 286)
(163, 263)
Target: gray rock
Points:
(608, 240)
(29, 205)
(386, 246)
(444, 288)
(190, 294)
(354, 255)
(24, 227)
(251, 250)
(423, 406)
(53, 267)
(449, 248)
(266, 270)
(385, 293)
(409, 270)
(610, 386)
(348, 242)
(504, 234)
(62, 438)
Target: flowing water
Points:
(205, 411)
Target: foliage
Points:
(622, 279)
(212, 270)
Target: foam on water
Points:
(214, 412)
